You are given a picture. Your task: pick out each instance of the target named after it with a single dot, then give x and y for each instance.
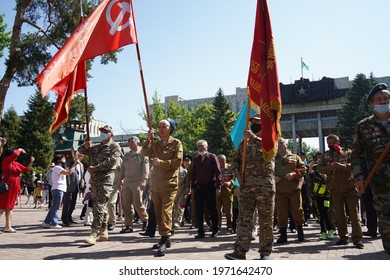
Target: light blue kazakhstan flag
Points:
(237, 133)
(303, 65)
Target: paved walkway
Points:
(32, 242)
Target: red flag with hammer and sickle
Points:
(109, 27)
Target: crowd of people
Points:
(158, 184)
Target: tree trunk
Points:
(10, 69)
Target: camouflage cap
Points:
(375, 89)
(254, 117)
(107, 129)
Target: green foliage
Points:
(77, 109)
(11, 125)
(190, 123)
(219, 126)
(192, 127)
(355, 108)
(5, 37)
(309, 151)
(157, 113)
(36, 139)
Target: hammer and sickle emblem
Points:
(115, 24)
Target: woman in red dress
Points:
(7, 199)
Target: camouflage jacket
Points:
(291, 163)
(370, 139)
(104, 158)
(257, 169)
(338, 180)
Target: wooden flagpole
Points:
(143, 81)
(87, 125)
(86, 102)
(378, 162)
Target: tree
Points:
(5, 37)
(11, 125)
(35, 131)
(77, 109)
(219, 126)
(47, 24)
(354, 109)
(192, 127)
(190, 123)
(307, 149)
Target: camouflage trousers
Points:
(262, 197)
(380, 186)
(100, 197)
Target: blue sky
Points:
(193, 48)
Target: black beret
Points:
(375, 89)
(188, 156)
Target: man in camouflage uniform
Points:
(289, 172)
(257, 189)
(335, 163)
(372, 136)
(104, 159)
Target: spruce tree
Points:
(355, 108)
(35, 137)
(10, 126)
(219, 126)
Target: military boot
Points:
(103, 235)
(91, 239)
(283, 236)
(164, 241)
(301, 236)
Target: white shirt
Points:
(58, 179)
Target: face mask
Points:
(382, 108)
(331, 148)
(202, 153)
(103, 136)
(255, 127)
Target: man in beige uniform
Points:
(336, 164)
(167, 154)
(133, 174)
(289, 172)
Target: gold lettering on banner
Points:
(80, 41)
(255, 84)
(255, 66)
(271, 56)
(266, 109)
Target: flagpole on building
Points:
(143, 81)
(301, 69)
